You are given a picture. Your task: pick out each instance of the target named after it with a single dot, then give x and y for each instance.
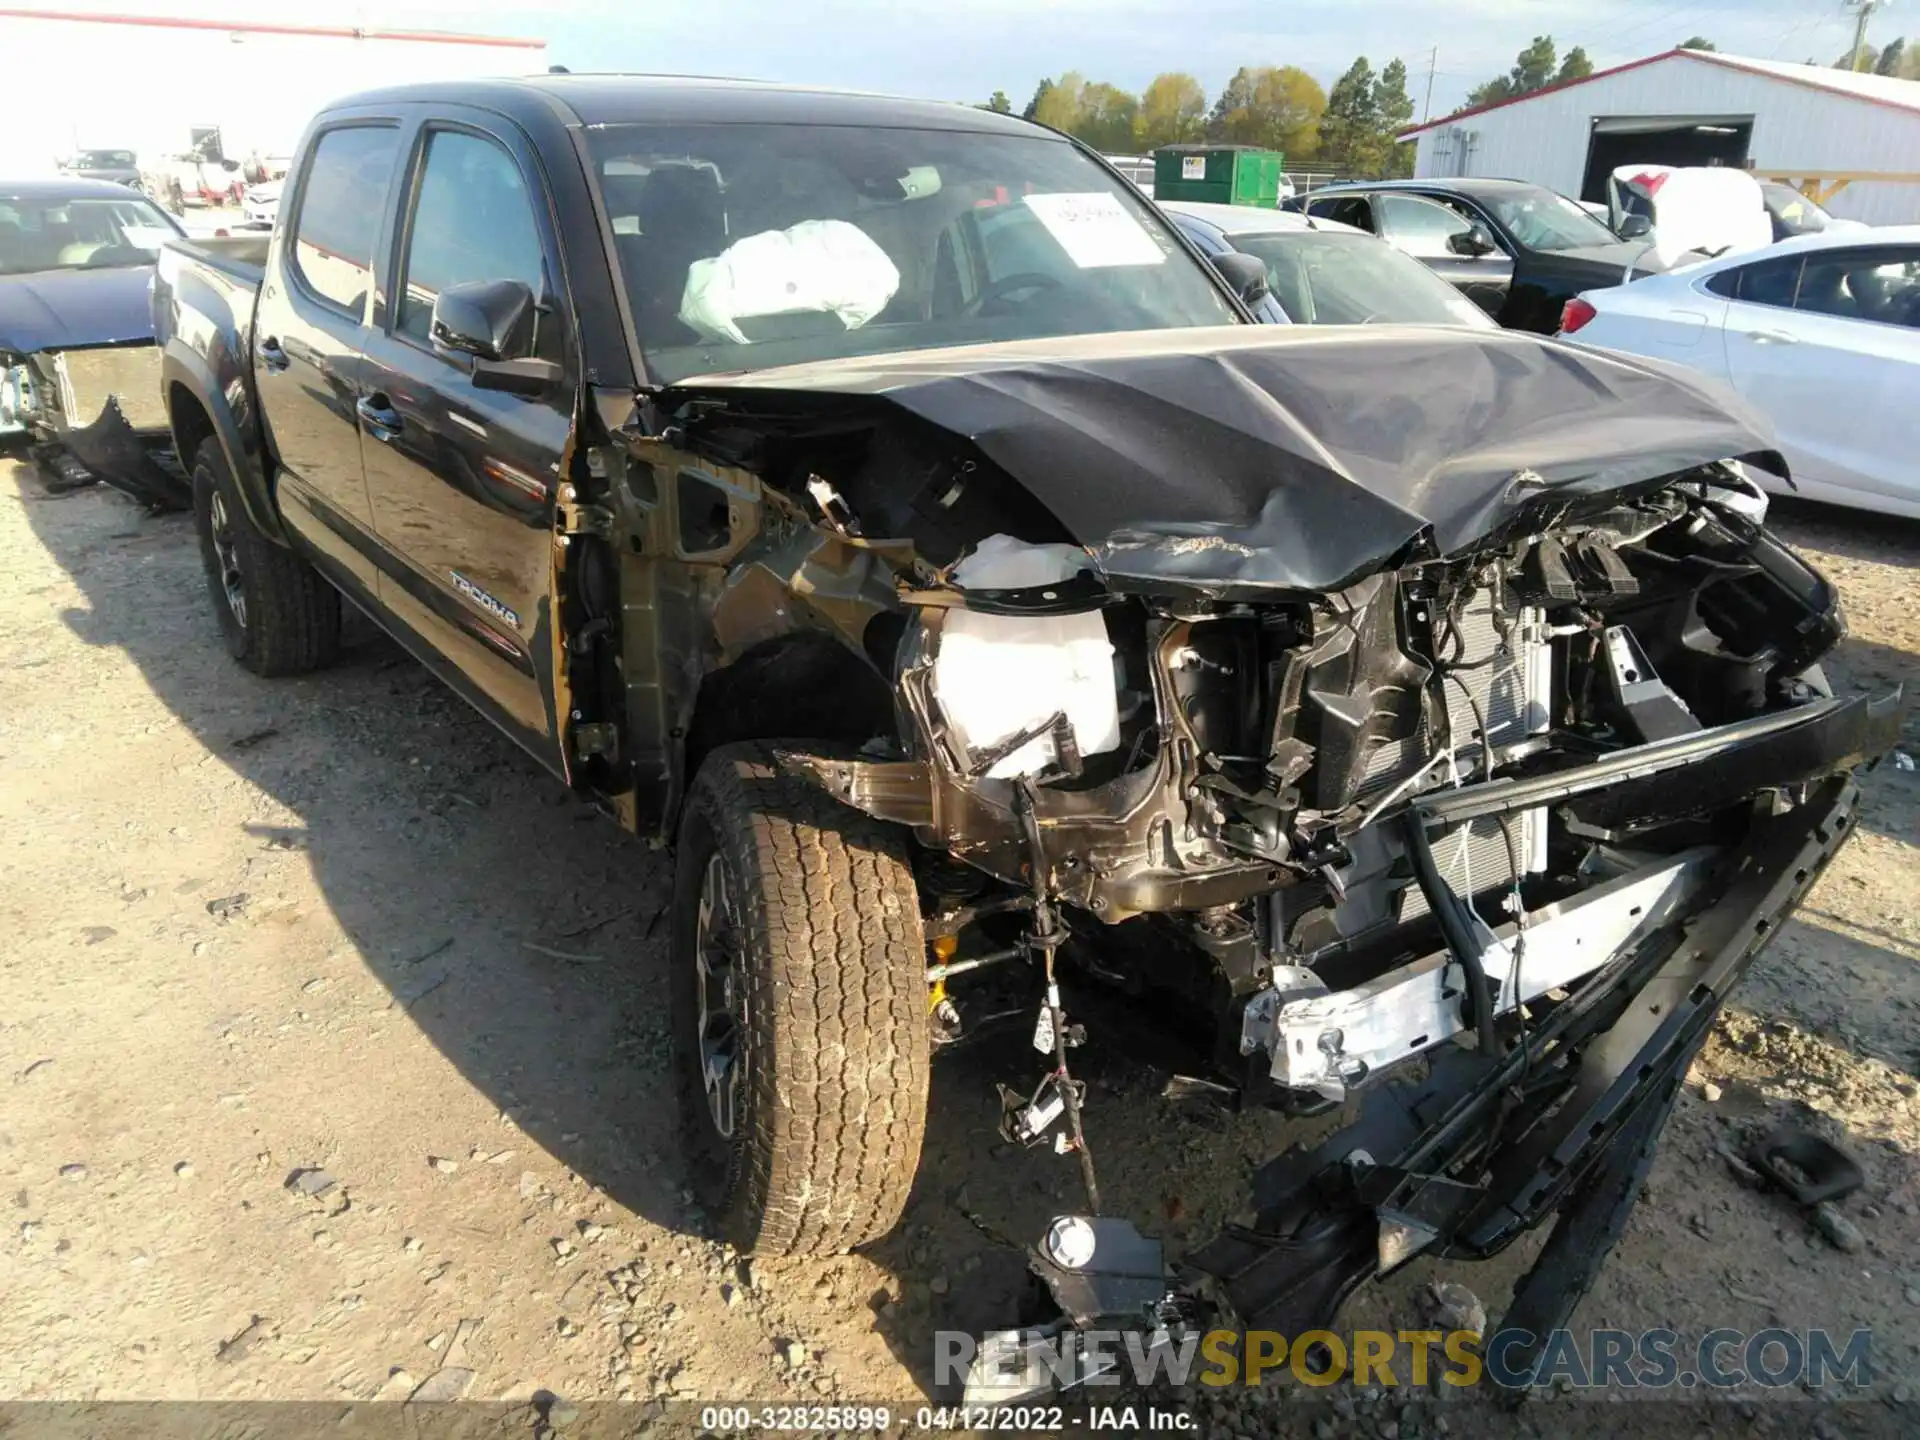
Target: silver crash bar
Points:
(1327, 1042)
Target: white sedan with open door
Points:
(1821, 333)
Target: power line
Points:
(1677, 16)
(1862, 13)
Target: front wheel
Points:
(799, 1010)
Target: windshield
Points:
(1326, 278)
(1794, 212)
(79, 234)
(1543, 220)
(748, 246)
(104, 160)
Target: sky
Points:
(966, 49)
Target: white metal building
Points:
(83, 79)
(1851, 141)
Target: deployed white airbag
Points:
(1712, 209)
(996, 675)
(817, 266)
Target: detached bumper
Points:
(104, 409)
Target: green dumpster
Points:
(1221, 174)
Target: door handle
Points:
(272, 356)
(378, 415)
(1772, 337)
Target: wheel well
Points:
(801, 685)
(189, 421)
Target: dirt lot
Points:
(339, 925)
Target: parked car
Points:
(261, 204)
(191, 181)
(882, 503)
(1518, 251)
(117, 166)
(79, 377)
(1796, 213)
(1821, 333)
(1321, 272)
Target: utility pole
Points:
(1862, 13)
(1426, 108)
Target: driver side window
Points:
(472, 220)
(1421, 228)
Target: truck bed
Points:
(203, 298)
(240, 257)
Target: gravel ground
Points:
(334, 1059)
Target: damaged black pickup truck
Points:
(881, 503)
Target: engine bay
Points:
(1226, 784)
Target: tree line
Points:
(1276, 107)
(1351, 129)
(1900, 60)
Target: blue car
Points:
(79, 375)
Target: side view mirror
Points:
(1246, 276)
(1633, 227)
(492, 322)
(1473, 242)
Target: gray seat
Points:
(682, 219)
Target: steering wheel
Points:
(1009, 285)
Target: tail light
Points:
(1577, 313)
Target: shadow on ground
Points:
(525, 935)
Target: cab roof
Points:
(691, 99)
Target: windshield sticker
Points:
(1095, 230)
(146, 237)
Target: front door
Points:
(1442, 238)
(308, 333)
(463, 480)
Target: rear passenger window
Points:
(1351, 210)
(1771, 282)
(473, 220)
(341, 206)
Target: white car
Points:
(1821, 333)
(260, 205)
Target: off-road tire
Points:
(291, 619)
(831, 958)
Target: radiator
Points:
(1512, 692)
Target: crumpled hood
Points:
(74, 309)
(1300, 458)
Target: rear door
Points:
(1827, 343)
(308, 331)
(462, 480)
